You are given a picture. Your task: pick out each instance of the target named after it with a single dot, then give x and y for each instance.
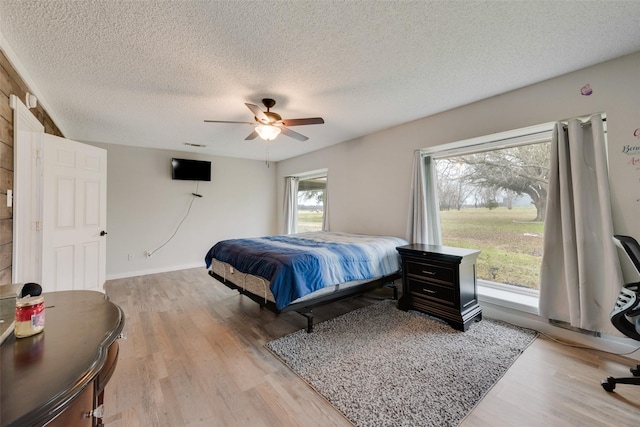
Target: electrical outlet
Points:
(129, 257)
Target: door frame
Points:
(27, 194)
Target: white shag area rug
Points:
(381, 366)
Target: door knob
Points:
(103, 233)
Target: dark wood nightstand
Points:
(440, 281)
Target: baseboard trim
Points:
(605, 342)
(164, 269)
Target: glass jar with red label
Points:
(29, 316)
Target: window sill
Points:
(507, 299)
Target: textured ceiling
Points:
(147, 73)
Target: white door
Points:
(74, 215)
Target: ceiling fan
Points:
(269, 124)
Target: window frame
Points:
(496, 141)
(508, 296)
(520, 298)
(320, 173)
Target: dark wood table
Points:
(60, 373)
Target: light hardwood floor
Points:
(194, 355)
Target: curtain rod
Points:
(584, 119)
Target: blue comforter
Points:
(299, 264)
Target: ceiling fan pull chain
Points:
(267, 161)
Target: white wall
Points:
(144, 207)
(370, 177)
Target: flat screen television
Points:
(190, 170)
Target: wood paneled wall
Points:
(11, 83)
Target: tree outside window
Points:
(495, 201)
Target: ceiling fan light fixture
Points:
(268, 132)
(268, 125)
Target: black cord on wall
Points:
(196, 194)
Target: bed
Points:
(298, 272)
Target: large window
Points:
(492, 196)
(311, 203)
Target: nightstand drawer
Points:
(443, 294)
(430, 271)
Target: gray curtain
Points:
(580, 275)
(291, 204)
(424, 210)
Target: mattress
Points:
(302, 264)
(260, 286)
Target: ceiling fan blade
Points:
(258, 113)
(292, 134)
(251, 136)
(299, 122)
(227, 121)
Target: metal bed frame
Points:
(305, 307)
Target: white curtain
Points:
(424, 210)
(291, 204)
(580, 275)
(325, 214)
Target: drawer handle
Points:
(431, 273)
(429, 291)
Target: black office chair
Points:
(625, 316)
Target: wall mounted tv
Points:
(190, 170)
